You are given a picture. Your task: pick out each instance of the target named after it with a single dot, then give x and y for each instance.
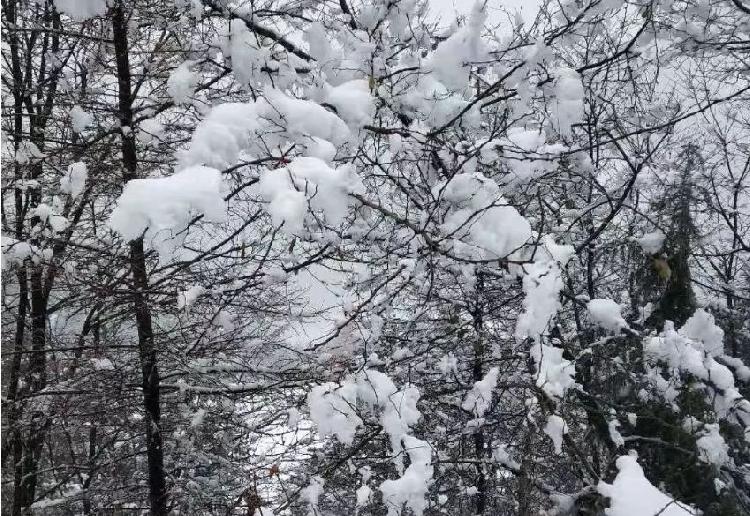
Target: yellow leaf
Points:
(662, 268)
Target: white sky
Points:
(445, 9)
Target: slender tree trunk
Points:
(29, 436)
(87, 482)
(477, 374)
(37, 375)
(14, 438)
(147, 350)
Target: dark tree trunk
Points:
(480, 500)
(147, 350)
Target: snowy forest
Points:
(376, 257)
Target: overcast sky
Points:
(446, 8)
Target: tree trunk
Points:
(147, 351)
(480, 500)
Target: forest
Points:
(375, 257)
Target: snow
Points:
(568, 105)
(220, 137)
(527, 140)
(181, 83)
(46, 215)
(411, 488)
(542, 284)
(555, 429)
(651, 243)
(289, 189)
(398, 407)
(73, 181)
(555, 375)
(450, 62)
(524, 153)
(614, 434)
(332, 409)
(186, 298)
(102, 364)
(712, 449)
(80, 10)
(15, 251)
(80, 119)
(166, 205)
(741, 371)
(286, 205)
(197, 419)
(293, 418)
(501, 455)
(631, 493)
(606, 314)
(691, 424)
(702, 327)
(321, 149)
(27, 152)
(352, 101)
(430, 101)
(479, 218)
(150, 131)
(682, 354)
(303, 118)
(448, 364)
(43, 211)
(231, 129)
(318, 42)
(563, 504)
(247, 58)
(364, 492)
(480, 396)
(363, 495)
(311, 493)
